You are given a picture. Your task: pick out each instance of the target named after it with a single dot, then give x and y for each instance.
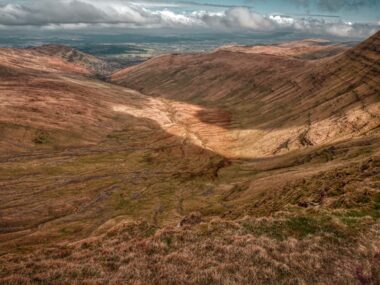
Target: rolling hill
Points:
(244, 165)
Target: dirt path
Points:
(185, 121)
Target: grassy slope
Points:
(287, 248)
(270, 104)
(103, 207)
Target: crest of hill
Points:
(15, 62)
(94, 65)
(306, 49)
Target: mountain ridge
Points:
(260, 83)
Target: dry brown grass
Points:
(215, 252)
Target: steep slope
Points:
(40, 93)
(74, 151)
(270, 103)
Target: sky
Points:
(338, 18)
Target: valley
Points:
(269, 155)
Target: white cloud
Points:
(332, 5)
(283, 21)
(245, 18)
(81, 14)
(170, 18)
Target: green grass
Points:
(336, 225)
(41, 138)
(376, 202)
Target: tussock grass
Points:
(214, 252)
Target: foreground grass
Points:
(288, 248)
(109, 216)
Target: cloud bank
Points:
(337, 5)
(81, 14)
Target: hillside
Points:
(270, 103)
(69, 143)
(310, 49)
(227, 167)
(98, 67)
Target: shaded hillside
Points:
(271, 103)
